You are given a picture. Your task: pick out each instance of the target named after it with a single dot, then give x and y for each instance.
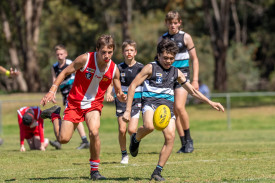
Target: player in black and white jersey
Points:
(128, 71)
(159, 78)
(187, 52)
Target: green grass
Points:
(243, 154)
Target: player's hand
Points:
(22, 148)
(14, 72)
(195, 84)
(126, 116)
(42, 148)
(47, 98)
(122, 97)
(110, 97)
(217, 106)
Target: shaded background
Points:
(233, 39)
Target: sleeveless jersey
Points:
(36, 128)
(127, 75)
(182, 57)
(159, 88)
(69, 79)
(90, 84)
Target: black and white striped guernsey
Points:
(182, 57)
(159, 88)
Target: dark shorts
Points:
(65, 93)
(186, 73)
(121, 107)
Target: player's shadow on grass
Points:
(113, 162)
(126, 179)
(60, 178)
(86, 178)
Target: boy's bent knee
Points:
(94, 134)
(63, 140)
(149, 128)
(131, 131)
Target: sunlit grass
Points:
(243, 154)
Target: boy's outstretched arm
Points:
(195, 93)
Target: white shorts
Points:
(147, 108)
(134, 116)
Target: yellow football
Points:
(162, 117)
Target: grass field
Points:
(243, 154)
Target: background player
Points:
(186, 52)
(128, 70)
(65, 87)
(31, 128)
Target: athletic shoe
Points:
(55, 144)
(156, 176)
(189, 146)
(182, 149)
(95, 175)
(48, 112)
(134, 146)
(124, 159)
(84, 145)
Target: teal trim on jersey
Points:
(158, 95)
(181, 63)
(70, 82)
(137, 95)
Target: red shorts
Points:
(77, 115)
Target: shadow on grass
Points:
(85, 178)
(60, 178)
(113, 162)
(127, 179)
(10, 180)
(154, 152)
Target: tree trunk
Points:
(218, 26)
(236, 21)
(126, 14)
(220, 80)
(32, 16)
(21, 83)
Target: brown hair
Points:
(60, 47)
(172, 15)
(105, 40)
(168, 46)
(129, 42)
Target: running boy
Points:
(65, 88)
(128, 71)
(94, 73)
(159, 78)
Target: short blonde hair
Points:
(60, 47)
(129, 42)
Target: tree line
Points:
(232, 38)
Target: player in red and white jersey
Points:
(31, 128)
(94, 73)
(89, 92)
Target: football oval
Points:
(162, 116)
